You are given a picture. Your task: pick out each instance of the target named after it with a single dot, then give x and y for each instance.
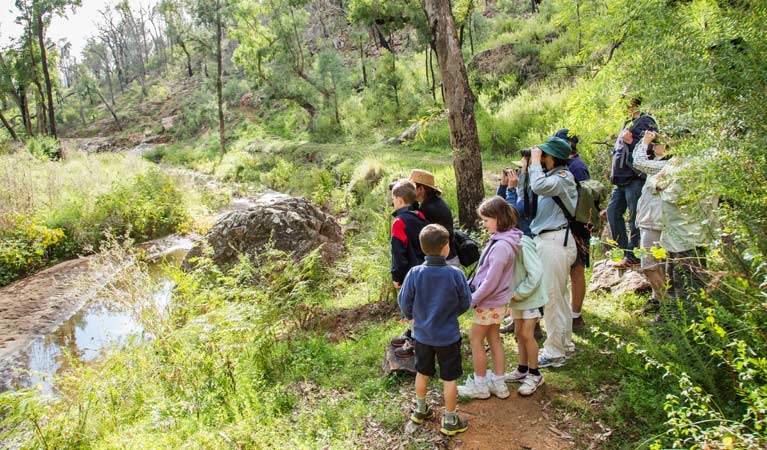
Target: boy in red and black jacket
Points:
(405, 246)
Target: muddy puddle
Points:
(97, 327)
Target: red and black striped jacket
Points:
(405, 247)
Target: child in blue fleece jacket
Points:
(433, 295)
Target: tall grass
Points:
(53, 210)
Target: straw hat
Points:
(423, 177)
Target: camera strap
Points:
(530, 200)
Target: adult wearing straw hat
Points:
(433, 206)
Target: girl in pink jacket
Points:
(492, 291)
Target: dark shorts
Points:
(448, 357)
(582, 237)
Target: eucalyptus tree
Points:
(216, 15)
(15, 81)
(460, 101)
(285, 64)
(36, 15)
(179, 28)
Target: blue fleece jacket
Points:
(511, 198)
(434, 294)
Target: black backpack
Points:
(466, 248)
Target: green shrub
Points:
(234, 89)
(43, 147)
(27, 248)
(183, 153)
(148, 206)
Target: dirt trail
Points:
(513, 423)
(494, 424)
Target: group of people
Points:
(538, 242)
(649, 183)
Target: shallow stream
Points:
(97, 327)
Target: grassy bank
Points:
(55, 210)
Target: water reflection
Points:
(89, 333)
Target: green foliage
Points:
(26, 248)
(182, 153)
(150, 205)
(199, 114)
(57, 210)
(43, 147)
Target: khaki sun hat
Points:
(423, 177)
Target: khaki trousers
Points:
(556, 260)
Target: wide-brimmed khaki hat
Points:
(423, 177)
(517, 164)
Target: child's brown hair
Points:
(497, 208)
(433, 239)
(404, 189)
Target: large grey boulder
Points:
(293, 224)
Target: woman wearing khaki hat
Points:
(433, 206)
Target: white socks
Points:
(489, 377)
(576, 315)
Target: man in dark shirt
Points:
(576, 166)
(628, 182)
(433, 207)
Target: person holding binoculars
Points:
(554, 198)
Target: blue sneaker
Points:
(546, 361)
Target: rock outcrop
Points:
(604, 277)
(292, 224)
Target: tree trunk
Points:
(109, 83)
(396, 84)
(471, 35)
(188, 58)
(362, 58)
(335, 98)
(9, 128)
(47, 75)
(219, 82)
(111, 111)
(459, 101)
(24, 107)
(426, 64)
(40, 97)
(431, 69)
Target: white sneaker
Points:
(474, 390)
(530, 384)
(570, 351)
(515, 376)
(498, 387)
